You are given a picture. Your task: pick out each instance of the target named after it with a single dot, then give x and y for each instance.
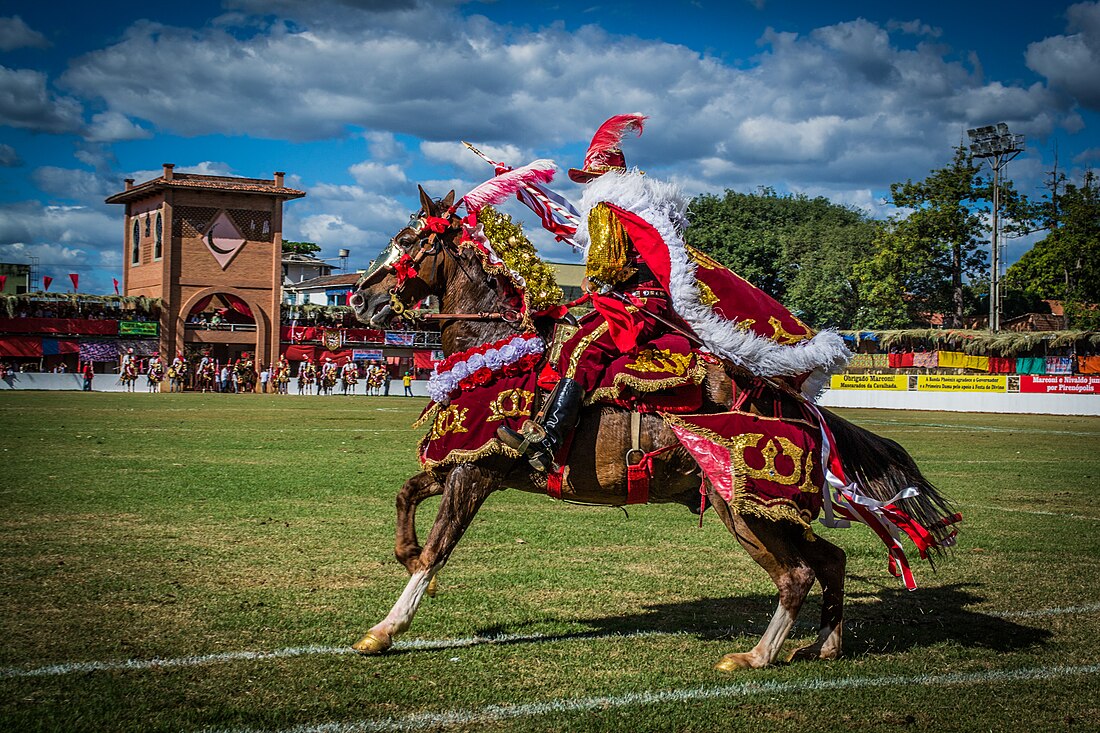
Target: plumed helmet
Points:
(604, 153)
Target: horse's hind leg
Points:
(828, 562)
(774, 547)
(465, 489)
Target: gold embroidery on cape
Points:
(770, 450)
(449, 420)
(608, 246)
(741, 503)
(706, 295)
(562, 333)
(660, 360)
(745, 325)
(510, 403)
(624, 381)
(702, 260)
(785, 337)
(584, 343)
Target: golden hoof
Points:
(733, 663)
(433, 587)
(371, 644)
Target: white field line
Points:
(1038, 512)
(976, 428)
(56, 670)
(498, 713)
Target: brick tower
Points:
(204, 244)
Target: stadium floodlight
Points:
(998, 145)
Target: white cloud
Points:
(8, 157)
(829, 106)
(25, 102)
(75, 184)
(1072, 62)
(14, 33)
(384, 147)
(458, 155)
(111, 126)
(81, 239)
(380, 176)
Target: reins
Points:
(411, 263)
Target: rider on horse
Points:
(644, 280)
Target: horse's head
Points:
(410, 268)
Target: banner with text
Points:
(1059, 384)
(895, 382)
(366, 354)
(137, 328)
(961, 383)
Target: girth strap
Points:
(639, 464)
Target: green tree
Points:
(302, 248)
(1065, 265)
(797, 249)
(822, 288)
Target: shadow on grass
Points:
(888, 620)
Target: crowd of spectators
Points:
(89, 311)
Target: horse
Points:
(176, 376)
(155, 376)
(205, 377)
(305, 380)
(792, 555)
(129, 375)
(348, 380)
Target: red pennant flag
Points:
(46, 280)
(76, 279)
(116, 284)
(3, 282)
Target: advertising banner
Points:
(895, 382)
(961, 383)
(1061, 384)
(137, 328)
(400, 338)
(366, 354)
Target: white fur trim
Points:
(664, 207)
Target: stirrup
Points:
(530, 434)
(531, 443)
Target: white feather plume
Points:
(499, 188)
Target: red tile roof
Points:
(211, 183)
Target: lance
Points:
(535, 192)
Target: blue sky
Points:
(360, 100)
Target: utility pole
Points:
(996, 144)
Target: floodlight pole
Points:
(997, 144)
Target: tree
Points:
(942, 237)
(798, 249)
(822, 289)
(1065, 265)
(302, 248)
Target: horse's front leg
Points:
(465, 489)
(407, 546)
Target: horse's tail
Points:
(882, 468)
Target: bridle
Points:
(397, 260)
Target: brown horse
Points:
(596, 459)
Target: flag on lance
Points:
(558, 216)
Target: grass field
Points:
(201, 562)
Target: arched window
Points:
(148, 221)
(135, 244)
(158, 247)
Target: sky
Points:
(361, 100)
